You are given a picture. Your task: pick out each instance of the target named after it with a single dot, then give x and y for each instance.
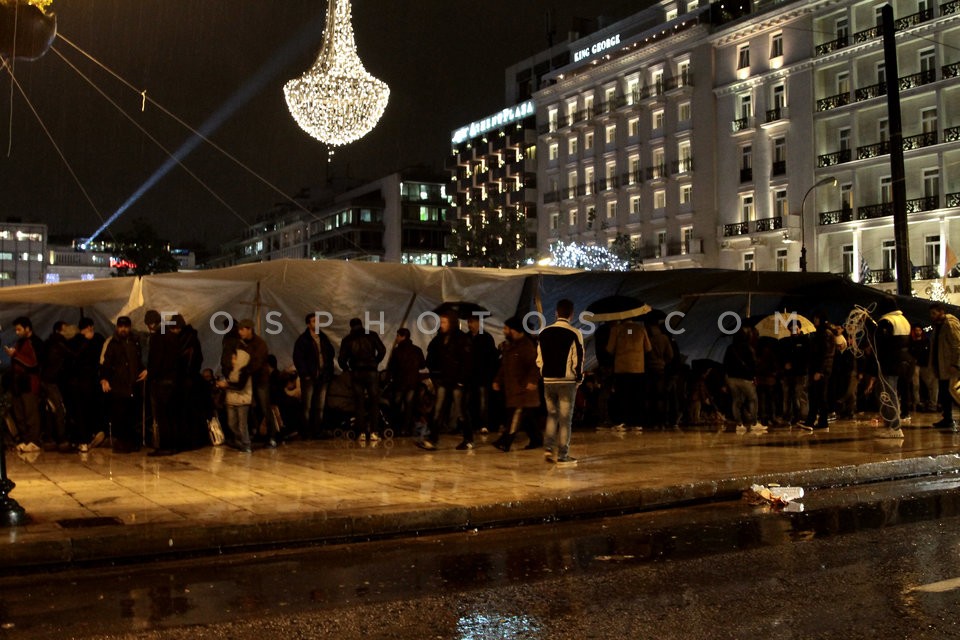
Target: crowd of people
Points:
(148, 387)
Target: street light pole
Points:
(803, 241)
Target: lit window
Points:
(612, 209)
(633, 127)
(554, 152)
(749, 263)
(776, 45)
(660, 199)
(686, 193)
(684, 112)
(657, 122)
(635, 204)
(611, 134)
(743, 56)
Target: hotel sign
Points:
(497, 120)
(597, 47)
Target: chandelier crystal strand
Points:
(337, 101)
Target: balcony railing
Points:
(873, 150)
(736, 229)
(951, 70)
(918, 79)
(919, 141)
(631, 178)
(746, 174)
(951, 134)
(551, 196)
(832, 102)
(837, 157)
(873, 91)
(609, 183)
(871, 211)
(913, 19)
(927, 203)
(948, 8)
(953, 200)
(837, 216)
(768, 224)
(683, 165)
(686, 247)
(867, 34)
(879, 276)
(657, 172)
(833, 45)
(777, 113)
(779, 167)
(926, 272)
(740, 124)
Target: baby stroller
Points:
(340, 406)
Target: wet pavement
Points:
(105, 507)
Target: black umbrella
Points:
(464, 310)
(617, 308)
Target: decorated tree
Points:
(141, 252)
(484, 238)
(588, 257)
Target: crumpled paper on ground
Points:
(774, 495)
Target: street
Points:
(876, 561)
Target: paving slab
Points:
(216, 499)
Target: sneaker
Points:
(98, 439)
(620, 427)
(566, 462)
(547, 453)
(636, 429)
(806, 426)
(83, 448)
(741, 429)
(949, 427)
(373, 437)
(426, 444)
(464, 446)
(484, 430)
(758, 428)
(28, 447)
(272, 443)
(887, 432)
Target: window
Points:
(634, 169)
(779, 149)
(846, 258)
(573, 146)
(928, 63)
(844, 139)
(886, 190)
(684, 112)
(746, 106)
(657, 120)
(685, 155)
(660, 199)
(781, 260)
(671, 14)
(611, 174)
(928, 120)
(878, 15)
(931, 251)
(843, 83)
(746, 157)
(846, 196)
(779, 97)
(611, 209)
(554, 151)
(554, 220)
(931, 183)
(749, 261)
(881, 73)
(686, 238)
(843, 29)
(656, 82)
(552, 117)
(571, 111)
(889, 254)
(572, 184)
(747, 212)
(588, 140)
(610, 135)
(883, 129)
(776, 45)
(588, 104)
(608, 95)
(633, 90)
(633, 127)
(683, 73)
(588, 178)
(635, 205)
(686, 194)
(572, 217)
(661, 238)
(659, 164)
(635, 240)
(743, 56)
(780, 205)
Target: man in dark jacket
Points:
(945, 360)
(794, 360)
(193, 399)
(121, 371)
(88, 409)
(449, 358)
(922, 370)
(360, 354)
(823, 346)
(893, 350)
(486, 361)
(25, 358)
(259, 371)
(519, 379)
(740, 365)
(406, 362)
(313, 359)
(57, 361)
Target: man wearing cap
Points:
(121, 369)
(260, 372)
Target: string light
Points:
(337, 101)
(588, 257)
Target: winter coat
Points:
(57, 361)
(258, 368)
(920, 350)
(120, 364)
(823, 346)
(450, 358)
(486, 359)
(162, 351)
(313, 361)
(86, 370)
(25, 365)
(947, 347)
(794, 355)
(361, 350)
(629, 344)
(739, 360)
(239, 384)
(404, 366)
(560, 353)
(660, 351)
(518, 369)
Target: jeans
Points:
(237, 415)
(795, 403)
(887, 384)
(744, 395)
(58, 412)
(929, 379)
(403, 405)
(452, 396)
(26, 411)
(819, 407)
(313, 394)
(366, 400)
(559, 397)
(261, 393)
(946, 400)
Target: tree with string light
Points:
(485, 238)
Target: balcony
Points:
(683, 165)
(768, 224)
(609, 183)
(778, 113)
(736, 229)
(927, 203)
(953, 200)
(831, 159)
(832, 102)
(951, 134)
(872, 91)
(913, 19)
(880, 276)
(837, 216)
(746, 174)
(833, 45)
(948, 8)
(918, 142)
(631, 179)
(918, 79)
(926, 272)
(779, 167)
(740, 124)
(872, 211)
(552, 196)
(866, 34)
(687, 247)
(873, 150)
(657, 172)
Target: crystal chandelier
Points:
(337, 101)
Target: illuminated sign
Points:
(497, 120)
(120, 263)
(597, 47)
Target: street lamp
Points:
(803, 244)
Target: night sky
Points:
(443, 59)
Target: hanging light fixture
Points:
(337, 101)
